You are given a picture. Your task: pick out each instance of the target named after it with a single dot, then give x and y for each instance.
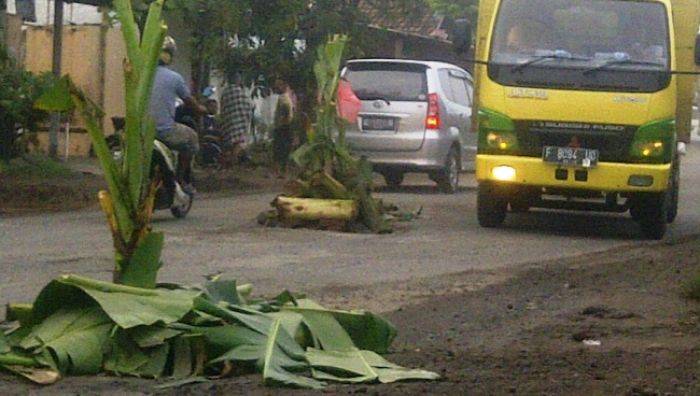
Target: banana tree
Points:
(128, 203)
(328, 169)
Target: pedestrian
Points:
(236, 111)
(282, 136)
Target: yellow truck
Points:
(584, 105)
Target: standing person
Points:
(282, 137)
(236, 111)
(168, 87)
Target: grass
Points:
(35, 167)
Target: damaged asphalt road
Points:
(221, 235)
(551, 303)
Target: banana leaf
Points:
(325, 330)
(223, 339)
(124, 357)
(127, 306)
(151, 336)
(341, 366)
(355, 366)
(38, 375)
(366, 330)
(18, 312)
(225, 290)
(4, 345)
(247, 317)
(277, 364)
(143, 267)
(75, 337)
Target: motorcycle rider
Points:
(168, 87)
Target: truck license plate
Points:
(569, 156)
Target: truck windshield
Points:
(558, 43)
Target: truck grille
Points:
(613, 141)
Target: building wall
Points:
(93, 57)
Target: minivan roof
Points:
(430, 64)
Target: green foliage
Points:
(35, 167)
(456, 8)
(18, 91)
(84, 326)
(692, 288)
(75, 336)
(128, 205)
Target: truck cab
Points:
(580, 107)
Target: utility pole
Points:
(56, 69)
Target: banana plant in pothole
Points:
(136, 327)
(333, 189)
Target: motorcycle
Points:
(164, 170)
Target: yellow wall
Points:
(93, 57)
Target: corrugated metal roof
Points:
(415, 19)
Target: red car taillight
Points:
(432, 121)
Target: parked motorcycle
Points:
(164, 171)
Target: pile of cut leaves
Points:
(81, 326)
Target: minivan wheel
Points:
(492, 206)
(448, 181)
(393, 179)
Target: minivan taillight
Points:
(432, 121)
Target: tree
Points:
(276, 38)
(456, 8)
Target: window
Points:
(388, 81)
(458, 83)
(444, 75)
(553, 44)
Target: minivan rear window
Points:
(388, 81)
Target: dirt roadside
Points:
(77, 187)
(519, 332)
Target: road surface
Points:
(221, 235)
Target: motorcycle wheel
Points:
(181, 211)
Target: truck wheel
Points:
(492, 206)
(653, 213)
(393, 179)
(448, 180)
(674, 193)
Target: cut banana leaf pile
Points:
(80, 326)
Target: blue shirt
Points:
(168, 87)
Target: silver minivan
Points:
(415, 117)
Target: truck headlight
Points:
(654, 142)
(496, 133)
(650, 150)
(501, 140)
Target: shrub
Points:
(18, 92)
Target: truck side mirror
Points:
(697, 49)
(461, 35)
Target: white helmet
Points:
(169, 45)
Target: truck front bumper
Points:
(606, 176)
